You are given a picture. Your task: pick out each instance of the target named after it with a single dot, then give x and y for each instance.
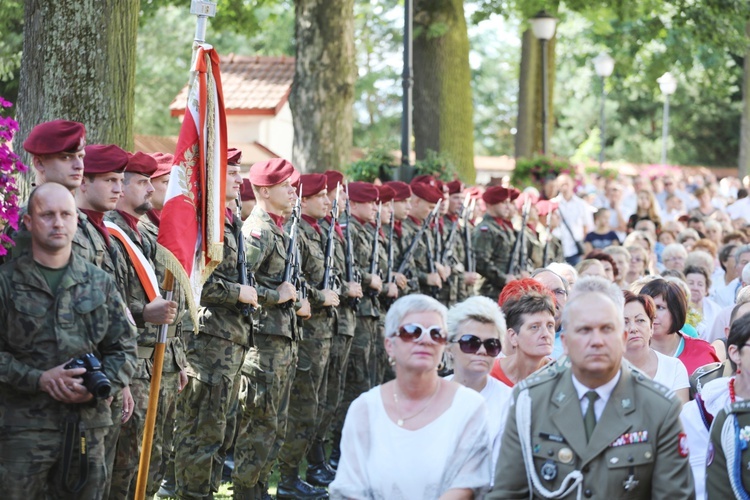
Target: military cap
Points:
(427, 192)
(271, 172)
(386, 193)
(56, 136)
(312, 184)
(544, 207)
(363, 192)
(455, 186)
(104, 158)
(234, 156)
(141, 163)
(334, 179)
(425, 179)
(164, 163)
(246, 191)
(402, 190)
(499, 194)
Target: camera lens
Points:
(98, 385)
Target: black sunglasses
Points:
(470, 344)
(413, 332)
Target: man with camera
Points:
(58, 311)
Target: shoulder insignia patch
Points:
(256, 233)
(683, 445)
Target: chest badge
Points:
(630, 483)
(565, 455)
(549, 470)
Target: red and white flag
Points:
(191, 233)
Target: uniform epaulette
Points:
(738, 407)
(547, 373)
(705, 374)
(646, 381)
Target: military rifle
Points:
(350, 274)
(518, 254)
(291, 249)
(374, 260)
(471, 263)
(246, 277)
(415, 240)
(328, 277)
(430, 253)
(450, 241)
(389, 278)
(545, 253)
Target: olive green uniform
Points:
(728, 453)
(493, 244)
(454, 290)
(419, 268)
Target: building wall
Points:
(274, 132)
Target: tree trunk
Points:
(443, 109)
(78, 64)
(744, 158)
(322, 96)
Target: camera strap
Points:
(73, 434)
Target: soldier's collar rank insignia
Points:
(560, 397)
(626, 403)
(630, 438)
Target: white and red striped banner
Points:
(191, 233)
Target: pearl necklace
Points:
(401, 419)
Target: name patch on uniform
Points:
(256, 233)
(683, 445)
(630, 438)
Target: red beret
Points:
(56, 136)
(544, 207)
(141, 163)
(363, 192)
(427, 192)
(234, 156)
(334, 179)
(312, 184)
(103, 159)
(271, 172)
(425, 179)
(386, 193)
(164, 163)
(454, 186)
(246, 191)
(499, 194)
(402, 190)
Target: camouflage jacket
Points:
(266, 246)
(40, 330)
(312, 258)
(362, 251)
(345, 314)
(420, 268)
(107, 258)
(453, 289)
(400, 246)
(492, 248)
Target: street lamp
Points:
(603, 65)
(543, 28)
(668, 85)
(404, 171)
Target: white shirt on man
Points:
(578, 215)
(603, 391)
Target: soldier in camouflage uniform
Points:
(149, 312)
(56, 306)
(215, 355)
(341, 342)
(309, 386)
(493, 240)
(401, 208)
(456, 288)
(270, 363)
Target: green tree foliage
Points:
(439, 165)
(377, 163)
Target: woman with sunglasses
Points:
(417, 436)
(640, 312)
(476, 329)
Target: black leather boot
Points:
(320, 474)
(335, 457)
(292, 487)
(243, 493)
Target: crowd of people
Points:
(404, 340)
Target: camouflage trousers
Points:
(307, 394)
(270, 371)
(128, 453)
(358, 377)
(110, 440)
(205, 422)
(340, 347)
(31, 464)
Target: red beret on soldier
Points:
(246, 191)
(455, 186)
(544, 207)
(363, 192)
(271, 172)
(425, 179)
(312, 184)
(141, 163)
(164, 163)
(499, 194)
(427, 192)
(234, 156)
(104, 158)
(57, 136)
(402, 190)
(386, 193)
(334, 179)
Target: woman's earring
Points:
(391, 361)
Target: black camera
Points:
(95, 381)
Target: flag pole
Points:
(203, 9)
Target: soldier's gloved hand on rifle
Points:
(160, 311)
(287, 292)
(331, 298)
(376, 283)
(401, 280)
(354, 290)
(304, 311)
(392, 290)
(443, 271)
(64, 385)
(248, 295)
(471, 278)
(433, 279)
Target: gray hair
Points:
(480, 309)
(415, 303)
(688, 233)
(674, 249)
(701, 259)
(561, 268)
(746, 275)
(739, 251)
(595, 284)
(617, 250)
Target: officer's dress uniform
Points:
(728, 455)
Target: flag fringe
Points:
(170, 262)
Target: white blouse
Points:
(671, 372)
(380, 460)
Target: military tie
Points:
(589, 420)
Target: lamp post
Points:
(668, 85)
(603, 65)
(404, 171)
(543, 28)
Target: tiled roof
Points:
(253, 85)
(251, 152)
